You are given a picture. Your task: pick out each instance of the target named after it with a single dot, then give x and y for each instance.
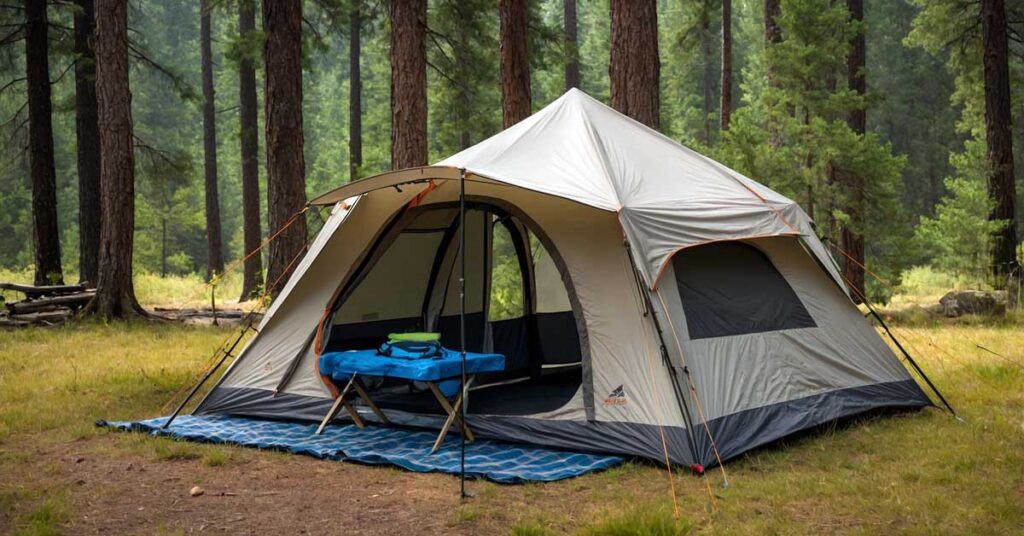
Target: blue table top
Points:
(340, 366)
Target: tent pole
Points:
(912, 362)
(462, 326)
(680, 396)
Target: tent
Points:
(649, 301)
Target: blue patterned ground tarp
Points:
(409, 449)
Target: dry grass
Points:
(914, 473)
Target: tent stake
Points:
(462, 326)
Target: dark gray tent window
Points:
(731, 288)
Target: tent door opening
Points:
(516, 305)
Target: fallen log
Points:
(43, 290)
(43, 304)
(44, 317)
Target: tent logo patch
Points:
(616, 398)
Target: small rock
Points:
(196, 491)
(80, 459)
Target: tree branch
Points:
(11, 83)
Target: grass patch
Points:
(917, 473)
(151, 289)
(44, 520)
(170, 450)
(62, 379)
(531, 528)
(646, 520)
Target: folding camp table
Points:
(350, 367)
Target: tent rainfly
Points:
(648, 300)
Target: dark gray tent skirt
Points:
(734, 434)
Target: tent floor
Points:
(527, 397)
(380, 445)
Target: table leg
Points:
(452, 413)
(354, 414)
(338, 402)
(361, 390)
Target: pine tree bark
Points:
(772, 36)
(408, 83)
(708, 78)
(45, 232)
(88, 140)
(572, 45)
(726, 113)
(286, 183)
(998, 134)
(515, 63)
(215, 255)
(355, 98)
(772, 33)
(115, 293)
(248, 112)
(634, 63)
(851, 237)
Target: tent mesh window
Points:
(732, 288)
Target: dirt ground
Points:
(108, 491)
(263, 493)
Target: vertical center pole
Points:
(462, 326)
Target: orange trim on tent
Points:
(668, 258)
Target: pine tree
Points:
(634, 63)
(215, 254)
(88, 143)
(286, 183)
(115, 291)
(45, 232)
(408, 83)
(998, 124)
(248, 136)
(515, 62)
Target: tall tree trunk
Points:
(851, 238)
(115, 293)
(286, 182)
(708, 78)
(215, 255)
(726, 113)
(772, 33)
(634, 66)
(45, 232)
(355, 97)
(572, 45)
(88, 140)
(1001, 187)
(515, 63)
(408, 83)
(772, 36)
(249, 138)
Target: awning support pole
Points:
(462, 326)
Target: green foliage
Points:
(951, 239)
(925, 113)
(793, 135)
